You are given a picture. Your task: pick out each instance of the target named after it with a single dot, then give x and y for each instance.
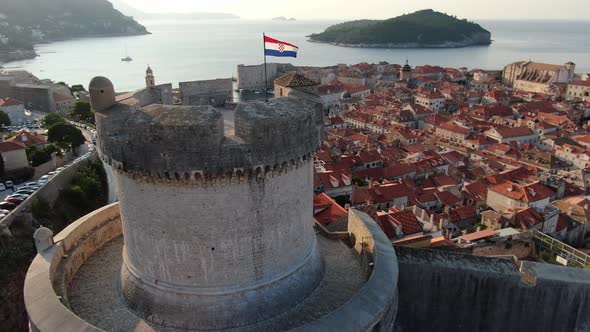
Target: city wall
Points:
(50, 274)
(49, 192)
(252, 77)
(210, 92)
(455, 292)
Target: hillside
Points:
(24, 23)
(425, 28)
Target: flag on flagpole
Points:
(273, 47)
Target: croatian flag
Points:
(273, 47)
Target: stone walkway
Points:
(94, 294)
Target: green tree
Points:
(4, 119)
(81, 111)
(51, 119)
(77, 88)
(66, 136)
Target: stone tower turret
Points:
(102, 93)
(216, 213)
(150, 80)
(406, 72)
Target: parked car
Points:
(23, 196)
(3, 211)
(9, 184)
(43, 180)
(2, 187)
(24, 191)
(14, 200)
(7, 206)
(31, 184)
(34, 188)
(59, 169)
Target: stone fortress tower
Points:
(214, 216)
(213, 230)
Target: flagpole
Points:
(265, 78)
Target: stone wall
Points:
(49, 192)
(518, 249)
(52, 270)
(191, 143)
(374, 307)
(202, 234)
(455, 292)
(252, 77)
(210, 92)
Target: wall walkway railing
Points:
(566, 255)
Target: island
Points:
(21, 28)
(283, 18)
(422, 29)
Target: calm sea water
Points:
(191, 50)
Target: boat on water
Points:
(127, 58)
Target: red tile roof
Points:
(531, 193)
(326, 210)
(27, 138)
(479, 235)
(408, 221)
(10, 102)
(11, 146)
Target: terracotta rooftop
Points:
(479, 235)
(10, 102)
(294, 80)
(11, 146)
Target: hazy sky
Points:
(347, 9)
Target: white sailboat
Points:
(127, 58)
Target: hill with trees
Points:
(425, 28)
(24, 23)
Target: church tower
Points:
(406, 72)
(150, 80)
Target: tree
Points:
(51, 119)
(4, 119)
(81, 111)
(65, 136)
(77, 88)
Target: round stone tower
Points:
(216, 212)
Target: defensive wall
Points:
(252, 77)
(49, 192)
(372, 308)
(209, 92)
(456, 292)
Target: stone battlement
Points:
(195, 143)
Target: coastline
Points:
(19, 55)
(407, 45)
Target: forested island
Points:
(422, 29)
(21, 28)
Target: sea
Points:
(190, 50)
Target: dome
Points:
(102, 93)
(100, 83)
(149, 70)
(43, 233)
(345, 95)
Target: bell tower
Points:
(150, 80)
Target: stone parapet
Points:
(46, 282)
(180, 143)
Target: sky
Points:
(375, 9)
